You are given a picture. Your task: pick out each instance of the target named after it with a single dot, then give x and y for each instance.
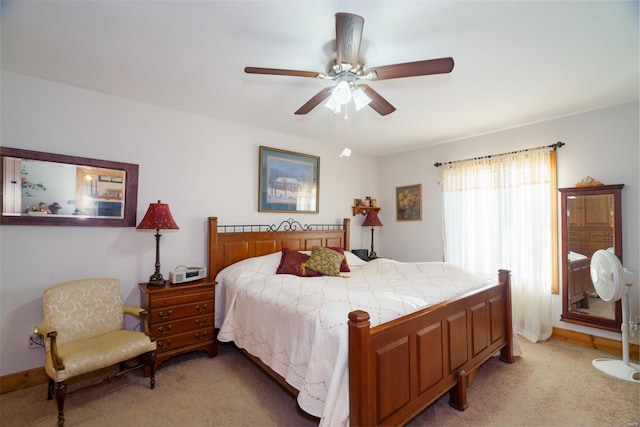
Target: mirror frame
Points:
(572, 316)
(130, 198)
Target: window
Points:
(499, 213)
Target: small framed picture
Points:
(409, 203)
(357, 202)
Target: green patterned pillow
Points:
(324, 261)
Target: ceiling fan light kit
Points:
(348, 68)
(360, 99)
(343, 93)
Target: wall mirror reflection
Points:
(50, 189)
(592, 220)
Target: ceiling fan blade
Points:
(412, 69)
(378, 103)
(348, 37)
(281, 72)
(313, 102)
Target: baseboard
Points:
(592, 341)
(36, 376)
(24, 379)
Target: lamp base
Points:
(156, 280)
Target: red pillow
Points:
(291, 263)
(344, 267)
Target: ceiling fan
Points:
(346, 70)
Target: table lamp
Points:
(372, 220)
(158, 217)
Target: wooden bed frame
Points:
(399, 368)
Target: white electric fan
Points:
(611, 281)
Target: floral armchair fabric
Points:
(84, 332)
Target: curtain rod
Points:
(554, 146)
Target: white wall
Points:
(603, 144)
(200, 167)
(203, 167)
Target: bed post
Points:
(361, 389)
(458, 394)
(506, 353)
(346, 225)
(213, 245)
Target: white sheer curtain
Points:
(497, 214)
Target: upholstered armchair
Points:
(83, 331)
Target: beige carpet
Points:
(552, 384)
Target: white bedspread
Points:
(298, 326)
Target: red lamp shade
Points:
(372, 220)
(158, 217)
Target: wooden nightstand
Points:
(180, 317)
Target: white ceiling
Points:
(516, 62)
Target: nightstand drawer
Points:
(180, 311)
(175, 298)
(182, 340)
(168, 329)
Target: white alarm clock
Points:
(187, 274)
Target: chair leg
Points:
(61, 392)
(50, 389)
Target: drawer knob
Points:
(202, 322)
(164, 331)
(161, 343)
(165, 316)
(201, 309)
(203, 336)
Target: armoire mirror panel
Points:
(591, 220)
(52, 189)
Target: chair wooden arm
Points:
(141, 314)
(134, 311)
(55, 358)
(43, 328)
(144, 322)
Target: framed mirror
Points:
(591, 220)
(52, 189)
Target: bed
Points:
(385, 367)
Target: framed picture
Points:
(289, 182)
(409, 203)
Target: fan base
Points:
(619, 369)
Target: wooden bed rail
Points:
(399, 368)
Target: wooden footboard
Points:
(399, 368)
(580, 284)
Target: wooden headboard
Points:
(232, 243)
